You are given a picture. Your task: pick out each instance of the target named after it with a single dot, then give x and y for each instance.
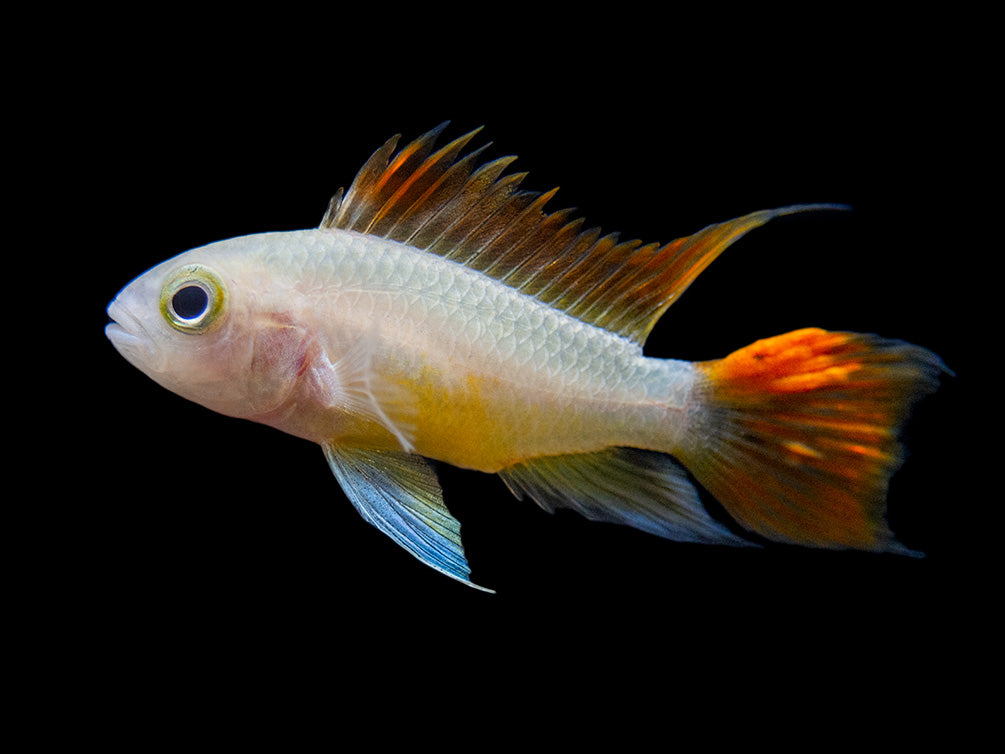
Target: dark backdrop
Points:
(195, 539)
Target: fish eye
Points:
(192, 299)
(190, 302)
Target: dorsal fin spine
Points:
(459, 245)
(415, 185)
(442, 203)
(502, 219)
(537, 278)
(563, 285)
(332, 211)
(355, 204)
(455, 203)
(441, 222)
(634, 284)
(401, 169)
(524, 250)
(515, 222)
(601, 256)
(450, 183)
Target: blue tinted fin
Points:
(399, 494)
(638, 488)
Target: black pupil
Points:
(190, 302)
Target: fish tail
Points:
(797, 434)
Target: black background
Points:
(192, 545)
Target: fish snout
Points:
(130, 338)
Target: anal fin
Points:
(399, 494)
(638, 488)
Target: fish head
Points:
(196, 326)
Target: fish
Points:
(440, 314)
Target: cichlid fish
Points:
(439, 312)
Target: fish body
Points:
(439, 313)
(522, 379)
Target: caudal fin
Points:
(797, 437)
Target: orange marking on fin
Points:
(476, 216)
(800, 434)
(801, 360)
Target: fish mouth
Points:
(128, 336)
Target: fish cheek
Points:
(279, 355)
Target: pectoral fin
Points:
(399, 494)
(351, 383)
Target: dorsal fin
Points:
(477, 216)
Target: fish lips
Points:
(130, 338)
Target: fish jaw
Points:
(131, 340)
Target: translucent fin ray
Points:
(352, 384)
(638, 488)
(798, 434)
(477, 215)
(399, 494)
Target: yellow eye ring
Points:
(193, 299)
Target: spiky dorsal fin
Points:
(476, 215)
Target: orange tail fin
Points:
(798, 435)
